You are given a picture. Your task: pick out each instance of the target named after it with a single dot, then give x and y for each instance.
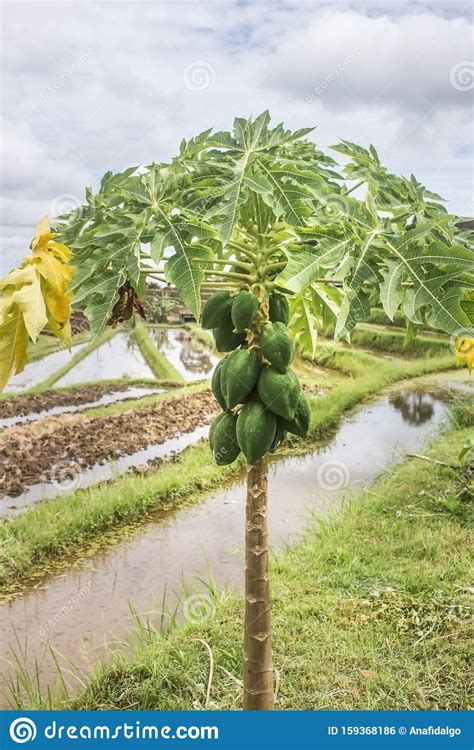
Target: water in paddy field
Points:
(107, 398)
(80, 609)
(190, 359)
(73, 477)
(119, 357)
(37, 371)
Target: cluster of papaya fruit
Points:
(259, 394)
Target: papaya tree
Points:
(273, 223)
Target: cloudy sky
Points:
(89, 86)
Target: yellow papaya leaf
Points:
(54, 270)
(43, 234)
(56, 280)
(58, 304)
(29, 299)
(5, 307)
(24, 275)
(63, 333)
(33, 297)
(13, 343)
(62, 252)
(464, 350)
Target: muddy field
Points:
(21, 406)
(31, 453)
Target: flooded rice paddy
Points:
(80, 610)
(188, 357)
(116, 358)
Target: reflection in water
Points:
(40, 369)
(119, 357)
(178, 346)
(415, 407)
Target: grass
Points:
(38, 542)
(49, 344)
(156, 361)
(370, 612)
(395, 342)
(378, 316)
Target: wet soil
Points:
(69, 476)
(57, 447)
(22, 406)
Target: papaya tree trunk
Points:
(258, 664)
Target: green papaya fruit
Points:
(223, 439)
(279, 310)
(225, 339)
(216, 310)
(279, 437)
(277, 345)
(239, 376)
(216, 384)
(212, 428)
(299, 425)
(279, 391)
(244, 308)
(256, 428)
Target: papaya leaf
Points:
(188, 276)
(13, 341)
(306, 263)
(33, 297)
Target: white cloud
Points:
(405, 61)
(94, 86)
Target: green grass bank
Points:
(370, 611)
